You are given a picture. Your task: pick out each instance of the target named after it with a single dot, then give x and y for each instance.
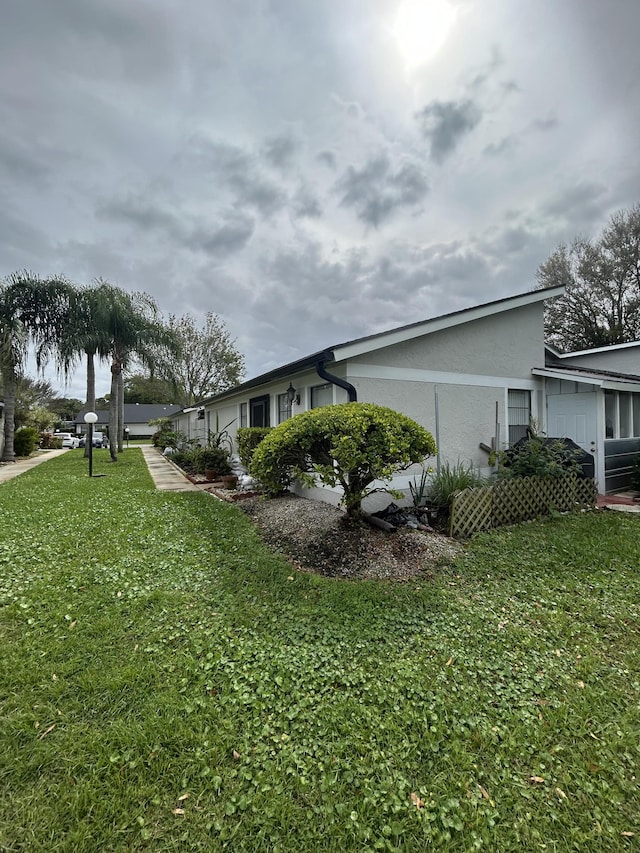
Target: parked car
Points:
(68, 439)
(99, 439)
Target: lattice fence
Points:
(518, 499)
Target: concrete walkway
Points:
(9, 470)
(166, 476)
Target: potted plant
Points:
(213, 462)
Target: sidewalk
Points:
(9, 470)
(166, 476)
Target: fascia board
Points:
(598, 350)
(438, 324)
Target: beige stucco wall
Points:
(505, 344)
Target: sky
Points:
(311, 170)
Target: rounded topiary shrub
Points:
(349, 445)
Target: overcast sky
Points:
(312, 170)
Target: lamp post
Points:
(126, 435)
(90, 418)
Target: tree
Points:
(32, 311)
(350, 445)
(206, 363)
(139, 388)
(131, 325)
(601, 303)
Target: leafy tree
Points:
(350, 445)
(66, 408)
(602, 280)
(32, 311)
(206, 362)
(139, 388)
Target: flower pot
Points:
(230, 481)
(211, 474)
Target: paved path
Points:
(9, 470)
(166, 476)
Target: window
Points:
(624, 413)
(621, 414)
(243, 415)
(284, 408)
(610, 414)
(259, 411)
(322, 395)
(519, 414)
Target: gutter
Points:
(336, 380)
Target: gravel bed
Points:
(313, 536)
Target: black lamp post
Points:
(126, 435)
(90, 419)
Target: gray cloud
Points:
(280, 151)
(445, 123)
(327, 158)
(376, 190)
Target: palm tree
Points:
(32, 311)
(87, 335)
(133, 327)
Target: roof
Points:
(369, 343)
(607, 379)
(596, 350)
(134, 413)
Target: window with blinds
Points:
(519, 414)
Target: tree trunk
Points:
(120, 411)
(114, 426)
(91, 391)
(8, 454)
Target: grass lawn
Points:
(167, 684)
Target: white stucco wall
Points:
(507, 344)
(622, 360)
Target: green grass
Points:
(167, 684)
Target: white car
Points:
(68, 439)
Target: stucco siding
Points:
(506, 344)
(617, 361)
(466, 414)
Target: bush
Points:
(248, 438)
(25, 441)
(214, 458)
(451, 479)
(538, 457)
(349, 444)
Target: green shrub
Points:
(453, 478)
(214, 458)
(538, 457)
(25, 441)
(248, 438)
(350, 445)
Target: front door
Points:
(575, 416)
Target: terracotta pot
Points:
(230, 481)
(211, 474)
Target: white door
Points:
(574, 416)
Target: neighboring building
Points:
(136, 418)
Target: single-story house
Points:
(136, 418)
(475, 378)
